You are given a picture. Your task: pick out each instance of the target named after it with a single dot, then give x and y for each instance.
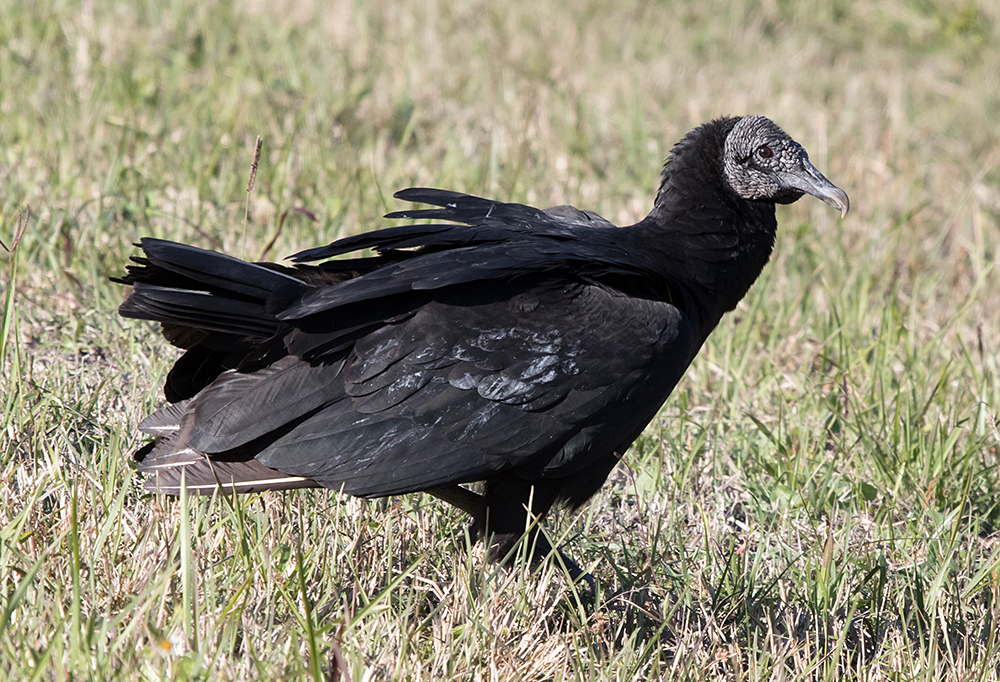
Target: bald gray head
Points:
(761, 162)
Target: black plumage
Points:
(502, 343)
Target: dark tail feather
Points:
(199, 310)
(216, 271)
(182, 285)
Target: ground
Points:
(818, 498)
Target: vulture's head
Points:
(761, 162)
(749, 157)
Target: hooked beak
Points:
(811, 181)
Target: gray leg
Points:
(471, 503)
(476, 506)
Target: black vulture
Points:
(497, 342)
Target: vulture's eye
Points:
(765, 152)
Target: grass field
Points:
(818, 499)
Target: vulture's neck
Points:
(708, 241)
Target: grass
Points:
(817, 500)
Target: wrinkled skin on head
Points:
(761, 162)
